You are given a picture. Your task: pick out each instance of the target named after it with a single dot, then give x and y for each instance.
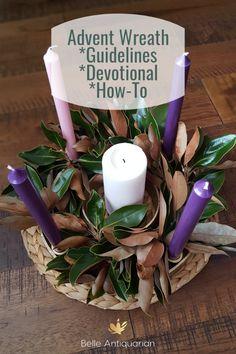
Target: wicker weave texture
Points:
(40, 254)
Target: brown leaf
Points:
(144, 272)
(167, 174)
(12, 205)
(99, 281)
(108, 129)
(145, 293)
(85, 279)
(90, 115)
(18, 222)
(192, 147)
(195, 247)
(119, 253)
(119, 122)
(153, 179)
(62, 203)
(214, 234)
(69, 222)
(155, 254)
(49, 197)
(143, 142)
(96, 183)
(162, 213)
(83, 145)
(181, 140)
(139, 239)
(164, 279)
(108, 234)
(85, 180)
(108, 286)
(179, 190)
(73, 242)
(155, 143)
(225, 165)
(77, 184)
(50, 179)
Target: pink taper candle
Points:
(51, 59)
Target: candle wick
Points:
(10, 168)
(123, 160)
(53, 46)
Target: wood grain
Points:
(201, 317)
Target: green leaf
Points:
(119, 285)
(78, 120)
(58, 263)
(63, 278)
(91, 163)
(215, 150)
(76, 253)
(215, 177)
(145, 118)
(84, 262)
(42, 155)
(211, 209)
(127, 216)
(118, 139)
(62, 181)
(102, 247)
(99, 149)
(34, 177)
(160, 114)
(96, 209)
(53, 136)
(9, 190)
(134, 279)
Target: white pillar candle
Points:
(124, 174)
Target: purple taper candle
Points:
(199, 197)
(175, 106)
(19, 180)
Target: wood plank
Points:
(37, 319)
(222, 92)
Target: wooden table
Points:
(201, 317)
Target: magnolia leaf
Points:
(154, 180)
(118, 284)
(34, 177)
(167, 174)
(58, 263)
(99, 281)
(119, 122)
(42, 155)
(179, 190)
(49, 197)
(108, 286)
(85, 279)
(69, 222)
(214, 234)
(119, 139)
(144, 272)
(54, 136)
(200, 248)
(143, 142)
(139, 239)
(109, 235)
(155, 143)
(85, 262)
(164, 279)
(109, 131)
(160, 113)
(13, 205)
(215, 177)
(90, 115)
(85, 180)
(127, 216)
(96, 209)
(91, 163)
(63, 202)
(83, 145)
(155, 254)
(181, 140)
(119, 253)
(80, 121)
(145, 293)
(212, 208)
(72, 242)
(225, 165)
(192, 146)
(18, 222)
(215, 150)
(76, 184)
(62, 181)
(162, 214)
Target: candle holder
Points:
(120, 261)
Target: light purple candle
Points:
(201, 193)
(174, 108)
(19, 180)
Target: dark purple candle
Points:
(201, 193)
(19, 180)
(174, 108)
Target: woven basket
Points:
(40, 253)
